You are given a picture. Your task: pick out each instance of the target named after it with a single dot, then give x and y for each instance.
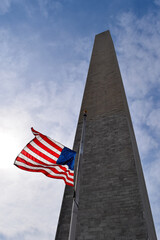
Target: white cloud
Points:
(157, 2)
(4, 6)
(42, 93)
(13, 64)
(12, 128)
(37, 91)
(48, 5)
(139, 53)
(138, 45)
(141, 109)
(28, 209)
(49, 102)
(145, 142)
(154, 120)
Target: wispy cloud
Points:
(35, 94)
(5, 6)
(153, 120)
(157, 2)
(39, 91)
(49, 6)
(27, 202)
(134, 43)
(138, 48)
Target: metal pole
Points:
(75, 204)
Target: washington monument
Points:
(113, 202)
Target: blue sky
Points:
(45, 49)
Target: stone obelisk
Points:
(113, 201)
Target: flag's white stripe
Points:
(43, 151)
(68, 171)
(38, 134)
(45, 169)
(58, 144)
(33, 162)
(42, 159)
(48, 145)
(39, 157)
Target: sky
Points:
(45, 49)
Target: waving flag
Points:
(45, 155)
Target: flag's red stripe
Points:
(47, 140)
(34, 131)
(52, 168)
(51, 142)
(48, 174)
(41, 145)
(41, 162)
(42, 155)
(32, 158)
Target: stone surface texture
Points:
(113, 198)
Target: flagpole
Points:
(75, 204)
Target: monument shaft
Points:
(113, 202)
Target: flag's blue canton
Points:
(67, 157)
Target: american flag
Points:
(45, 155)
